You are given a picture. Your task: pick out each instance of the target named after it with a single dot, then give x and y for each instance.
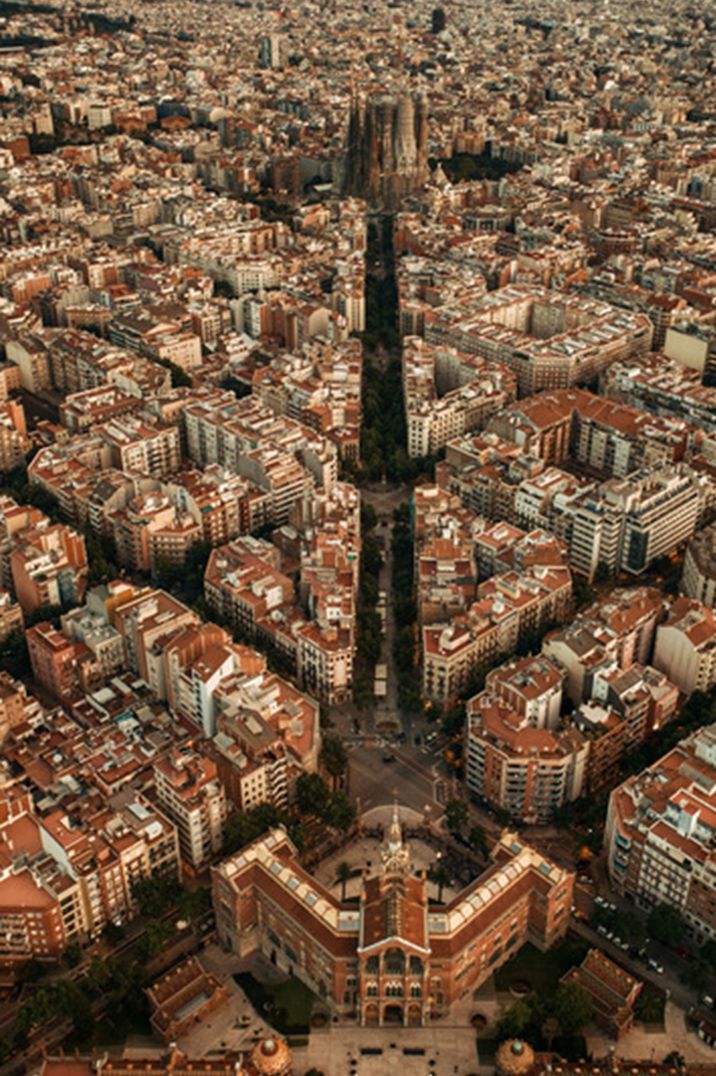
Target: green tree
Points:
(583, 593)
(343, 875)
(72, 955)
(99, 974)
(32, 971)
(439, 876)
(243, 827)
(515, 1022)
(334, 758)
(156, 896)
(341, 812)
(312, 795)
(665, 924)
(368, 517)
(572, 1007)
(478, 842)
(454, 720)
(455, 815)
(156, 934)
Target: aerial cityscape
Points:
(357, 538)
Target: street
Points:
(375, 782)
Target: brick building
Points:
(394, 959)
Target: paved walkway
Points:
(641, 1044)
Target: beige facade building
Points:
(659, 837)
(685, 647)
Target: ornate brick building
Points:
(394, 958)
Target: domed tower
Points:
(514, 1058)
(271, 1057)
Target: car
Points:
(610, 935)
(655, 966)
(612, 907)
(388, 758)
(600, 901)
(601, 929)
(706, 999)
(624, 946)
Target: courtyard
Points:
(364, 854)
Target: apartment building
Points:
(267, 735)
(244, 584)
(685, 646)
(147, 619)
(621, 628)
(89, 625)
(446, 578)
(510, 609)
(150, 531)
(659, 837)
(629, 523)
(162, 332)
(16, 706)
(448, 393)
(625, 707)
(606, 438)
(62, 667)
(277, 454)
(11, 618)
(397, 960)
(29, 353)
(139, 446)
(519, 756)
(69, 873)
(14, 442)
(698, 576)
(663, 386)
(224, 504)
(81, 411)
(549, 340)
(191, 795)
(48, 565)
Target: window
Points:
(394, 962)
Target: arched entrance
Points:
(415, 1016)
(370, 1015)
(393, 1014)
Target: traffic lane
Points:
(376, 782)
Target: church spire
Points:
(394, 854)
